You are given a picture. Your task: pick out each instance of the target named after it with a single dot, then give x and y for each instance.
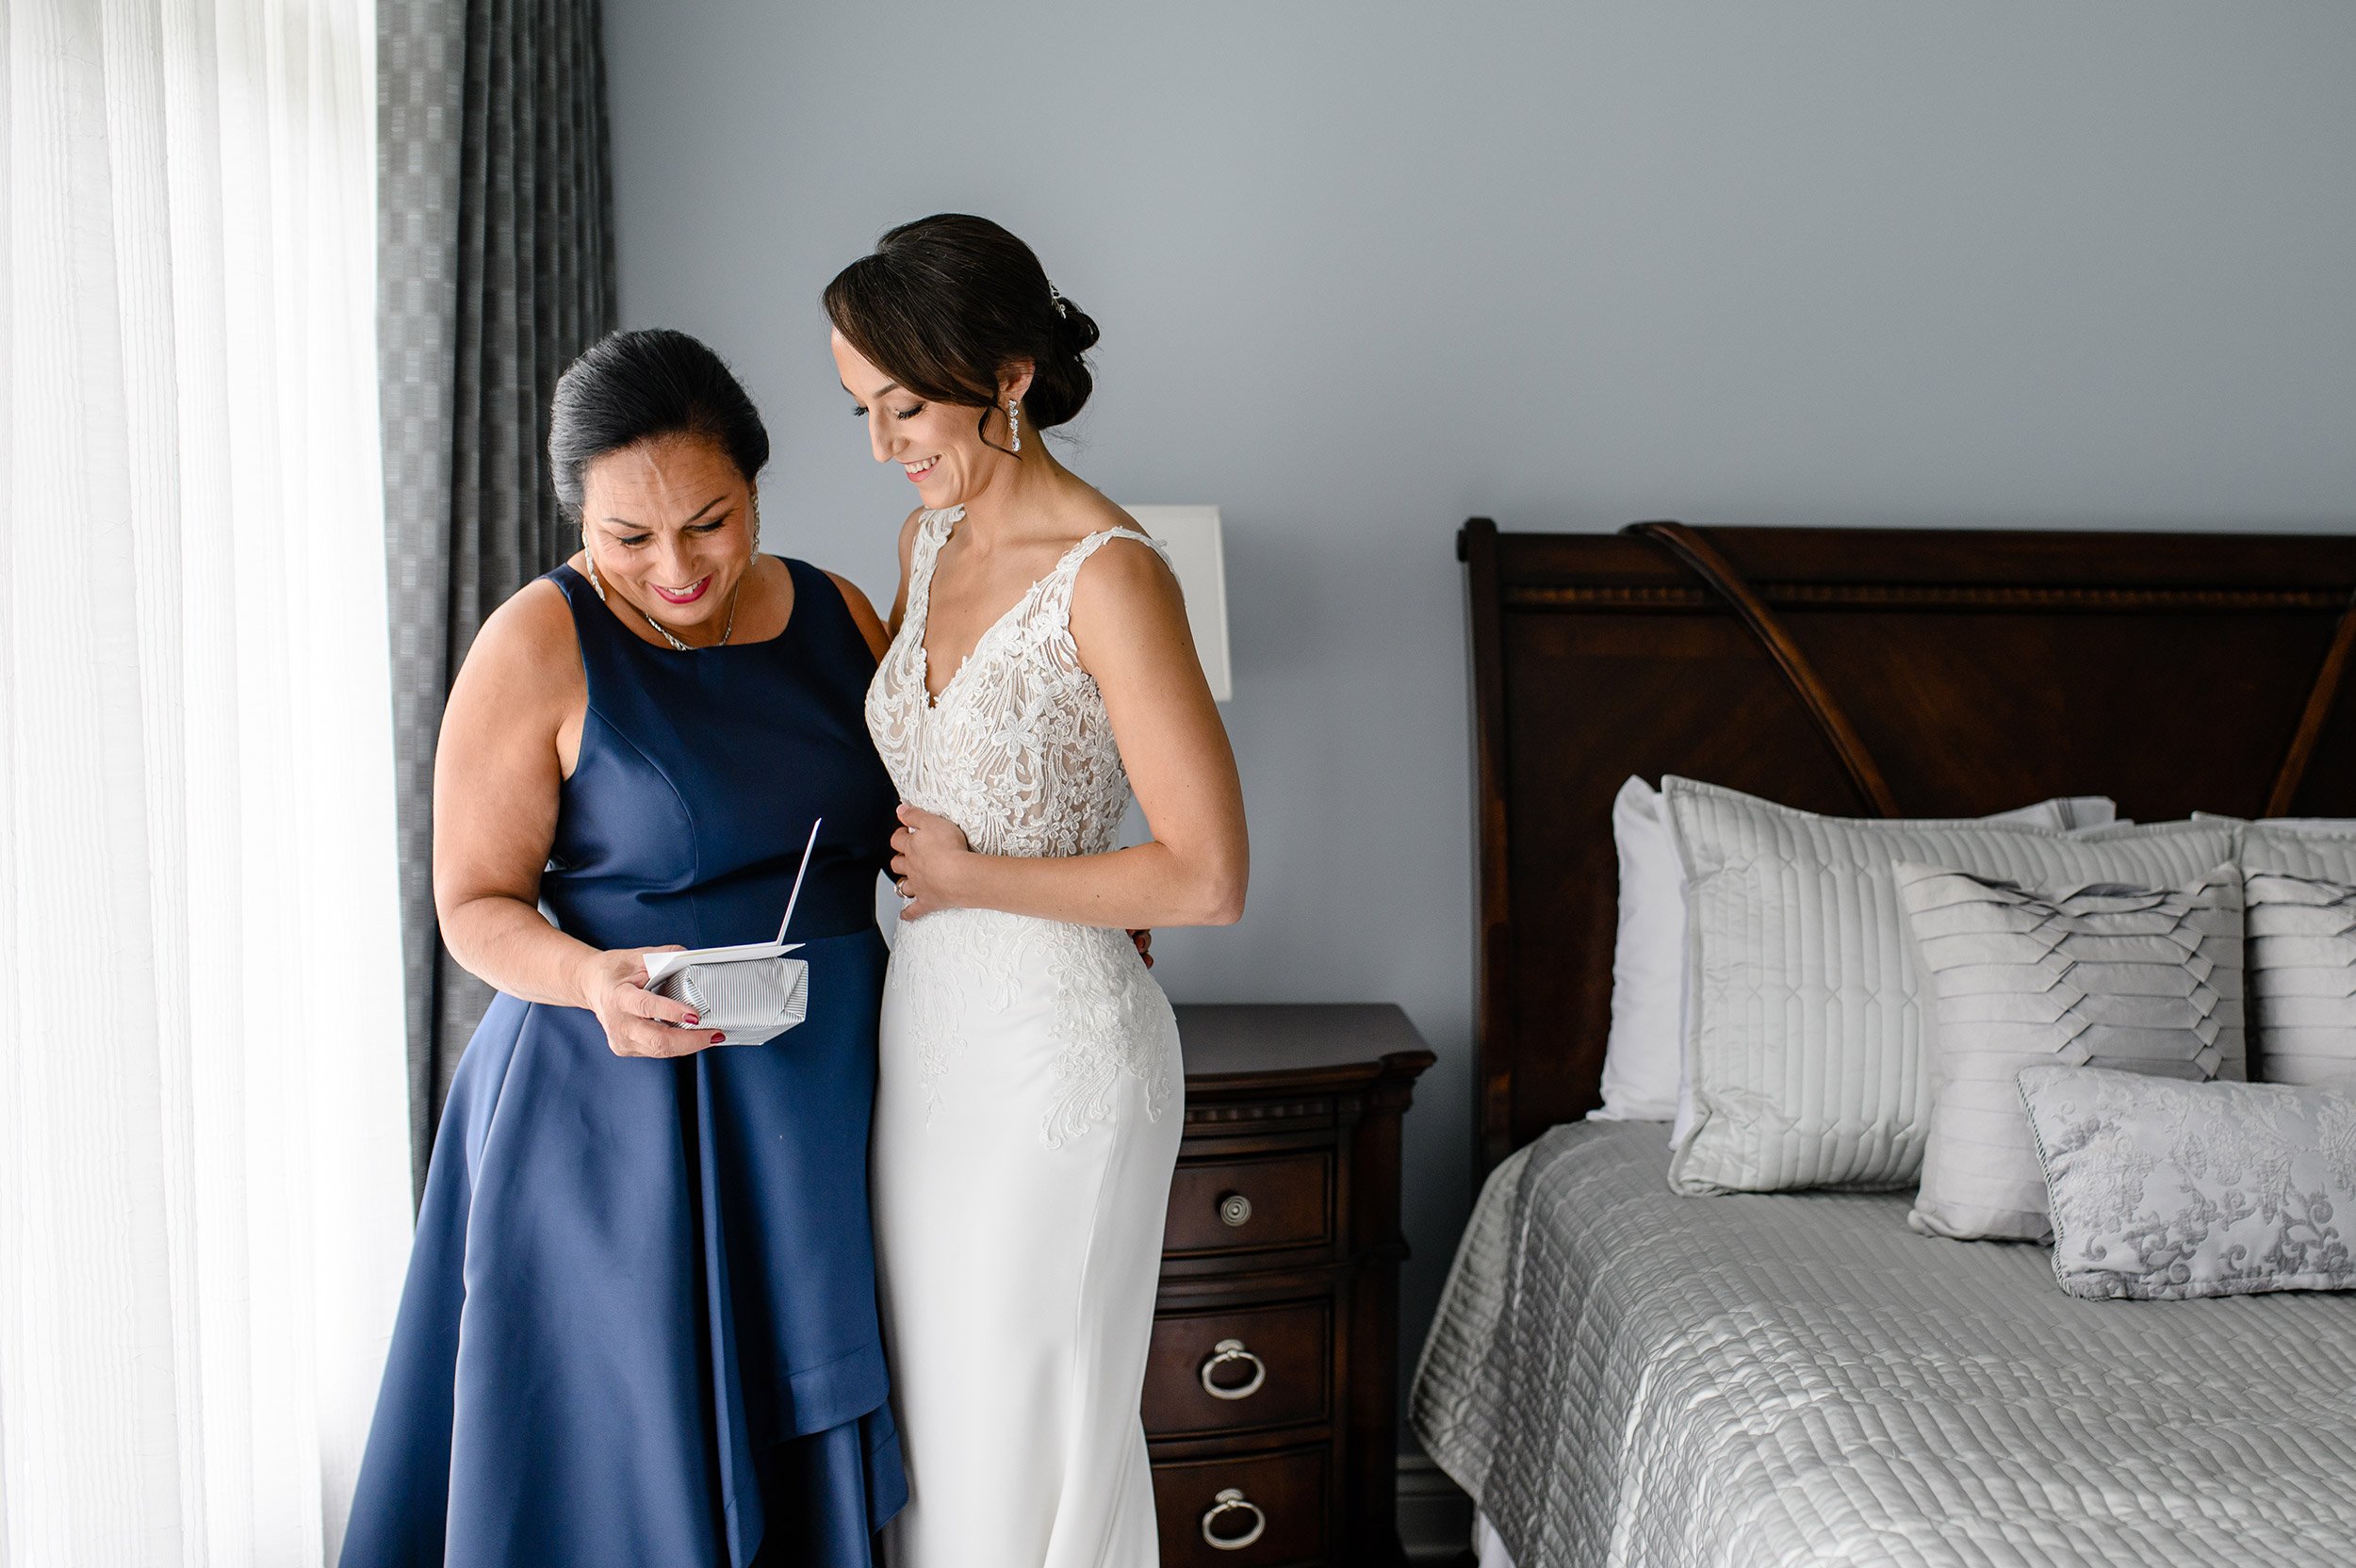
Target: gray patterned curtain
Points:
(496, 258)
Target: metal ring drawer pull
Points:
(1232, 1500)
(1232, 1349)
(1235, 1209)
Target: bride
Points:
(1028, 1112)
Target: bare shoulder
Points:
(1125, 583)
(527, 654)
(533, 629)
(1128, 564)
(1120, 569)
(854, 597)
(1088, 511)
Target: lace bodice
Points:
(1019, 752)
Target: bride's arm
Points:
(1130, 626)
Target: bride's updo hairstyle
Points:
(946, 302)
(633, 386)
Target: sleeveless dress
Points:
(1026, 1120)
(640, 1322)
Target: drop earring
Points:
(1014, 423)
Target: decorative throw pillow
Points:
(2114, 976)
(2299, 883)
(2162, 1189)
(1644, 1055)
(1803, 1036)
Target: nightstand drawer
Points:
(1269, 1366)
(1250, 1206)
(1274, 1502)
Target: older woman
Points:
(640, 1324)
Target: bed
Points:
(1620, 1374)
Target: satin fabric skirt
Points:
(1017, 1277)
(640, 1322)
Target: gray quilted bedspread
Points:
(1622, 1375)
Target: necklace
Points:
(659, 629)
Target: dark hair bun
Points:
(1062, 381)
(945, 304)
(633, 386)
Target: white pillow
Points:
(1803, 1033)
(1644, 1058)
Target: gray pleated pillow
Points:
(2140, 979)
(2298, 884)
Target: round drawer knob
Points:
(1232, 1500)
(1231, 1350)
(1235, 1208)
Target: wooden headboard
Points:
(1975, 671)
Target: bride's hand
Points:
(928, 855)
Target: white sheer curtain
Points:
(203, 1205)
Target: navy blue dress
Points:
(640, 1319)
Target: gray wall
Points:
(1365, 269)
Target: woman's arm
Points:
(497, 774)
(1130, 625)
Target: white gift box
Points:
(750, 993)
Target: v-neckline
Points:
(924, 656)
(925, 628)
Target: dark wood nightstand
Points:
(1272, 1389)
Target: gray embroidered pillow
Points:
(2298, 884)
(2135, 978)
(2163, 1189)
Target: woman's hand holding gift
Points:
(637, 1022)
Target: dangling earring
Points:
(1014, 422)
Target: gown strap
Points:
(933, 528)
(1055, 590)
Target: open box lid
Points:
(660, 964)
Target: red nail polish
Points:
(693, 1019)
(719, 1039)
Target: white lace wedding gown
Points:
(1026, 1119)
